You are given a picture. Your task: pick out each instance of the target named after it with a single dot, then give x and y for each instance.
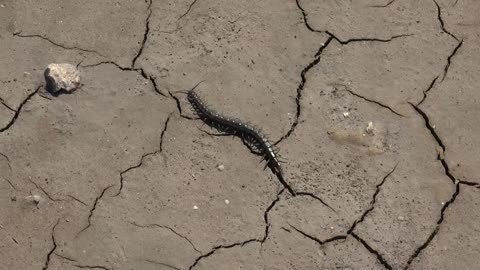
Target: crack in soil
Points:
(305, 17)
(429, 127)
(47, 261)
(373, 201)
(320, 242)
(77, 199)
(167, 228)
(308, 194)
(373, 251)
(145, 34)
(442, 23)
(138, 70)
(349, 90)
(79, 265)
(261, 240)
(7, 159)
(449, 59)
(441, 158)
(6, 105)
(428, 90)
(19, 110)
(97, 199)
(221, 247)
(188, 10)
(44, 191)
(64, 257)
(92, 267)
(350, 231)
(179, 106)
(139, 164)
(19, 34)
(345, 42)
(382, 6)
(9, 182)
(301, 87)
(265, 216)
(163, 264)
(437, 228)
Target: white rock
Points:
(195, 207)
(221, 167)
(369, 128)
(64, 77)
(227, 202)
(34, 198)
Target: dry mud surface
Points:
(373, 104)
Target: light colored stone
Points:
(62, 77)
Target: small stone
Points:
(227, 202)
(369, 128)
(195, 207)
(34, 198)
(221, 167)
(62, 77)
(401, 218)
(2, 5)
(346, 114)
(331, 228)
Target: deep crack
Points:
(301, 87)
(92, 267)
(373, 201)
(345, 42)
(449, 59)
(47, 261)
(373, 251)
(218, 248)
(427, 90)
(320, 242)
(94, 206)
(429, 126)
(437, 228)
(441, 158)
(305, 16)
(19, 110)
(442, 23)
(265, 216)
(138, 70)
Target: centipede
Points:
(252, 136)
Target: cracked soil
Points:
(372, 103)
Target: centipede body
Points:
(251, 135)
